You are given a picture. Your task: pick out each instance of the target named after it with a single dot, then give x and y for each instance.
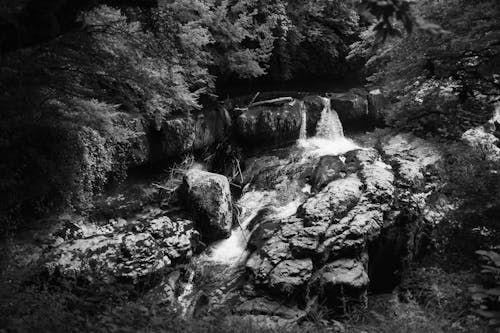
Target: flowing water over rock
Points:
(329, 125)
(233, 251)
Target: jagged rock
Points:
(182, 134)
(108, 258)
(351, 107)
(479, 138)
(314, 106)
(349, 236)
(270, 123)
(379, 182)
(355, 159)
(339, 279)
(376, 104)
(177, 136)
(209, 197)
(131, 251)
(333, 201)
(410, 156)
(328, 169)
(306, 241)
(290, 275)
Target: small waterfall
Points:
(303, 125)
(329, 138)
(329, 126)
(231, 250)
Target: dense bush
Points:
(442, 82)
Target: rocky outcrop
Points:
(328, 169)
(359, 108)
(338, 281)
(376, 104)
(351, 106)
(269, 124)
(314, 106)
(208, 197)
(322, 249)
(410, 156)
(193, 132)
(483, 138)
(122, 250)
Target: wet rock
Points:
(347, 274)
(209, 197)
(355, 159)
(379, 182)
(107, 258)
(290, 275)
(410, 156)
(182, 134)
(351, 107)
(270, 124)
(314, 106)
(177, 237)
(333, 201)
(328, 169)
(350, 235)
(479, 138)
(341, 284)
(124, 251)
(177, 136)
(376, 104)
(306, 241)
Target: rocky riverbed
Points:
(324, 220)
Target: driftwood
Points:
(280, 100)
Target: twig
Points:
(280, 100)
(253, 99)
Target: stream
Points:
(228, 256)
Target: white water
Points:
(303, 125)
(329, 125)
(231, 250)
(329, 140)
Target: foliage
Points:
(462, 62)
(487, 296)
(312, 38)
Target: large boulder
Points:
(341, 282)
(181, 134)
(122, 250)
(334, 201)
(291, 274)
(481, 139)
(208, 196)
(351, 106)
(376, 104)
(270, 124)
(410, 156)
(328, 169)
(314, 105)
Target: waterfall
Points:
(231, 250)
(303, 125)
(329, 126)
(329, 138)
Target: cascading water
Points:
(329, 138)
(329, 125)
(303, 125)
(230, 252)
